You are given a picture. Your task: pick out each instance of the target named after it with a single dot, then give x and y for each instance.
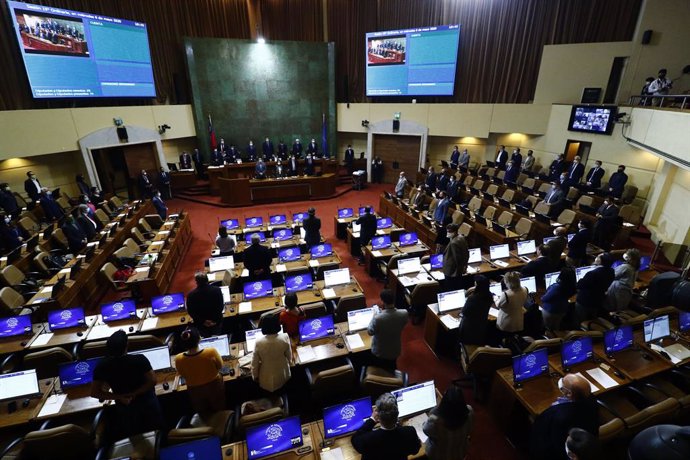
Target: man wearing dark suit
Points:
(501, 158)
(312, 227)
(456, 255)
(205, 305)
(556, 168)
(159, 204)
(32, 186)
(431, 178)
(292, 166)
(51, 208)
(606, 225)
(145, 184)
(441, 208)
(377, 170)
(512, 172)
(367, 223)
(164, 183)
(594, 176)
(591, 289)
(419, 198)
(313, 148)
(89, 226)
(231, 155)
(185, 161)
(555, 198)
(10, 238)
(282, 150)
(198, 162)
(516, 158)
(84, 188)
(8, 201)
(76, 238)
(279, 168)
(577, 246)
(443, 180)
(257, 259)
(216, 158)
(575, 172)
(309, 165)
(453, 186)
(540, 266)
(617, 182)
(349, 159)
(297, 149)
(267, 149)
(574, 409)
(454, 157)
(392, 441)
(260, 169)
(250, 154)
(222, 147)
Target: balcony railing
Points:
(672, 101)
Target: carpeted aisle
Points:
(416, 359)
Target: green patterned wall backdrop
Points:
(278, 89)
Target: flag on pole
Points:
(324, 136)
(211, 133)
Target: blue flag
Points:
(324, 137)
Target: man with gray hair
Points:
(89, 225)
(257, 259)
(205, 305)
(391, 441)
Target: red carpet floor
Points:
(416, 359)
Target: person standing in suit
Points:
(449, 426)
(313, 148)
(555, 198)
(377, 170)
(516, 158)
(577, 246)
(260, 169)
(385, 328)
(84, 188)
(540, 266)
(455, 158)
(312, 228)
(456, 255)
(528, 164)
(297, 148)
(419, 199)
(205, 305)
(575, 172)
(453, 186)
(282, 150)
(606, 225)
(222, 147)
(349, 159)
(617, 182)
(8, 202)
(279, 169)
(512, 172)
(272, 356)
(164, 184)
(591, 289)
(554, 302)
(10, 238)
(217, 158)
(392, 441)
(431, 178)
(159, 204)
(556, 167)
(185, 160)
(32, 186)
(87, 224)
(198, 163)
(501, 158)
(464, 161)
(292, 166)
(76, 238)
(556, 247)
(475, 313)
(232, 155)
(574, 408)
(400, 185)
(309, 165)
(594, 176)
(257, 259)
(250, 153)
(51, 208)
(367, 230)
(145, 185)
(442, 183)
(267, 149)
(441, 208)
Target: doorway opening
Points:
(575, 148)
(119, 167)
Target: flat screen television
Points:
(412, 62)
(71, 54)
(595, 119)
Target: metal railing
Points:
(672, 101)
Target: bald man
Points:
(575, 408)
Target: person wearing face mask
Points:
(501, 158)
(443, 180)
(400, 185)
(32, 186)
(606, 225)
(594, 176)
(251, 151)
(453, 187)
(617, 182)
(529, 161)
(159, 204)
(464, 161)
(455, 256)
(575, 408)
(84, 188)
(10, 238)
(555, 198)
(454, 158)
(51, 209)
(556, 167)
(592, 288)
(88, 225)
(145, 184)
(8, 201)
(516, 158)
(76, 238)
(512, 172)
(419, 199)
(577, 246)
(575, 172)
(620, 292)
(441, 208)
(431, 178)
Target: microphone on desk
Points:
(213, 242)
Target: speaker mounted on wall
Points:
(647, 36)
(396, 126)
(122, 134)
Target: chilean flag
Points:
(211, 133)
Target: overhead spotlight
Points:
(365, 123)
(261, 41)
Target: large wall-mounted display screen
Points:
(412, 62)
(69, 54)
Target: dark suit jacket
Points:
(257, 257)
(312, 226)
(205, 302)
(443, 182)
(30, 189)
(216, 158)
(557, 197)
(84, 188)
(517, 159)
(368, 228)
(349, 156)
(8, 202)
(198, 159)
(161, 208)
(282, 150)
(501, 159)
(575, 173)
(292, 167)
(475, 318)
(312, 148)
(455, 257)
(455, 157)
(577, 246)
(50, 207)
(431, 181)
(297, 149)
(395, 444)
(309, 166)
(551, 427)
(9, 238)
(617, 182)
(267, 149)
(512, 174)
(591, 289)
(185, 161)
(538, 268)
(251, 153)
(453, 189)
(75, 237)
(87, 227)
(609, 215)
(222, 147)
(231, 156)
(594, 176)
(556, 168)
(164, 178)
(145, 184)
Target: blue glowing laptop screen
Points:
(117, 311)
(316, 328)
(346, 418)
(436, 261)
(63, 319)
(408, 239)
(201, 449)
(384, 222)
(618, 339)
(248, 237)
(251, 222)
(257, 289)
(15, 325)
(297, 283)
(167, 303)
(381, 242)
(77, 373)
(344, 213)
(530, 365)
(576, 351)
(321, 250)
(274, 438)
(230, 224)
(289, 254)
(282, 234)
(278, 219)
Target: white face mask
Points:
(7, 220)
(450, 235)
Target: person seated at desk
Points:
(257, 259)
(8, 201)
(200, 369)
(76, 238)
(309, 165)
(90, 226)
(367, 230)
(448, 427)
(574, 408)
(313, 148)
(577, 246)
(620, 292)
(291, 315)
(475, 313)
(51, 208)
(511, 315)
(10, 238)
(279, 169)
(540, 266)
(130, 382)
(390, 442)
(312, 228)
(592, 288)
(260, 169)
(512, 172)
(216, 158)
(555, 301)
(292, 166)
(205, 305)
(250, 153)
(272, 356)
(159, 204)
(386, 330)
(224, 243)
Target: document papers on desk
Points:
(376, 253)
(354, 341)
(150, 323)
(52, 405)
(306, 353)
(450, 322)
(328, 293)
(332, 454)
(245, 307)
(42, 339)
(494, 312)
(592, 386)
(602, 378)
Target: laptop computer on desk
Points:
(358, 320)
(498, 228)
(543, 218)
(77, 373)
(575, 352)
(159, 357)
(520, 209)
(480, 219)
(488, 196)
(343, 419)
(415, 399)
(316, 328)
(274, 438)
(530, 365)
(504, 203)
(206, 449)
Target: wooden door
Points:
(397, 150)
(138, 157)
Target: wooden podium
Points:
(234, 192)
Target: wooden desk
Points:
(22, 415)
(62, 337)
(20, 342)
(326, 348)
(555, 361)
(180, 180)
(239, 449)
(239, 307)
(102, 330)
(372, 257)
(631, 363)
(536, 395)
(241, 192)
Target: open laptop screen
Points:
(167, 303)
(358, 320)
(118, 311)
(282, 234)
(499, 251)
(551, 278)
(336, 277)
(248, 237)
(289, 254)
(252, 222)
(159, 357)
(206, 449)
(15, 325)
(220, 343)
(363, 210)
(412, 265)
(316, 328)
(684, 321)
(657, 328)
(580, 272)
(278, 219)
(300, 282)
(618, 339)
(475, 256)
(384, 222)
(321, 250)
(451, 300)
(380, 242)
(408, 239)
(256, 289)
(18, 384)
(63, 319)
(526, 247)
(344, 213)
(530, 283)
(346, 418)
(415, 399)
(251, 337)
(530, 365)
(230, 224)
(77, 373)
(299, 216)
(216, 264)
(436, 261)
(576, 351)
(274, 438)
